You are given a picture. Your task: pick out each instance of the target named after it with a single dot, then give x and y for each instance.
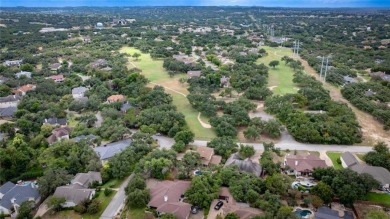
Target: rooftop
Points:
(246, 165)
(302, 163)
(109, 150)
(17, 193)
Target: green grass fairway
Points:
(378, 198)
(281, 77)
(154, 71)
(334, 156)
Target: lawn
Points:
(154, 71)
(334, 156)
(380, 198)
(281, 76)
(113, 183)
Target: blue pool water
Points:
(302, 213)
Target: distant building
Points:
(57, 78)
(116, 98)
(192, 74)
(78, 92)
(328, 213)
(349, 80)
(116, 21)
(55, 66)
(302, 165)
(58, 134)
(99, 25)
(109, 150)
(56, 121)
(167, 197)
(10, 101)
(126, 106)
(13, 62)
(86, 39)
(98, 63)
(88, 138)
(348, 159)
(246, 165)
(24, 89)
(23, 73)
(225, 81)
(12, 196)
(8, 112)
(380, 174)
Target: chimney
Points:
(296, 163)
(165, 198)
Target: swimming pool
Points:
(302, 213)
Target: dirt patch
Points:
(204, 125)
(272, 87)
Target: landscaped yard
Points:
(157, 75)
(134, 213)
(334, 156)
(280, 77)
(380, 198)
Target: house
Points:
(302, 165)
(13, 62)
(10, 101)
(98, 63)
(369, 92)
(192, 74)
(78, 92)
(225, 81)
(246, 165)
(88, 138)
(55, 66)
(106, 69)
(328, 213)
(119, 21)
(56, 121)
(27, 74)
(167, 197)
(13, 195)
(86, 39)
(380, 174)
(208, 157)
(7, 112)
(115, 98)
(78, 190)
(87, 179)
(58, 134)
(109, 150)
(24, 89)
(184, 58)
(231, 206)
(126, 106)
(57, 78)
(348, 159)
(349, 80)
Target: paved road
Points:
(117, 202)
(286, 142)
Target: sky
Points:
(266, 3)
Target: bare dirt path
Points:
(205, 125)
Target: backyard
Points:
(157, 75)
(334, 156)
(380, 198)
(280, 77)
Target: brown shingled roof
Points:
(301, 163)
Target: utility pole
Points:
(298, 48)
(326, 67)
(295, 46)
(322, 66)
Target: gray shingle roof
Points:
(327, 213)
(20, 193)
(73, 193)
(381, 174)
(53, 121)
(349, 159)
(8, 111)
(81, 137)
(246, 165)
(10, 98)
(111, 149)
(85, 179)
(6, 187)
(23, 73)
(79, 90)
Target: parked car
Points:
(218, 205)
(194, 209)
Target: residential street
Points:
(117, 201)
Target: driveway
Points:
(117, 202)
(213, 213)
(99, 120)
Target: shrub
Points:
(108, 192)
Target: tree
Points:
(223, 146)
(94, 207)
(189, 162)
(323, 191)
(246, 151)
(252, 132)
(376, 214)
(137, 182)
(179, 146)
(316, 201)
(55, 203)
(136, 56)
(274, 63)
(232, 216)
(51, 179)
(278, 183)
(185, 136)
(138, 198)
(285, 212)
(204, 189)
(25, 210)
(272, 128)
